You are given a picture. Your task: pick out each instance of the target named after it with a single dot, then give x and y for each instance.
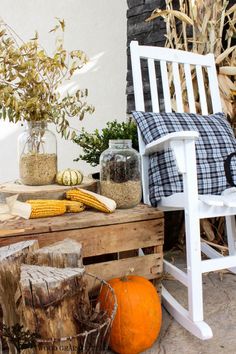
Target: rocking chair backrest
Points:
(192, 65)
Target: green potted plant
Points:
(29, 83)
(94, 143)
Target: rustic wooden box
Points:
(110, 241)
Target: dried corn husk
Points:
(225, 54)
(164, 13)
(228, 70)
(207, 19)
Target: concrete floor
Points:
(219, 312)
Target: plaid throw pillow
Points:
(216, 141)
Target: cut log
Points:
(11, 258)
(63, 254)
(50, 299)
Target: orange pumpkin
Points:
(138, 319)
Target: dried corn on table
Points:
(110, 241)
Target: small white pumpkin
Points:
(69, 177)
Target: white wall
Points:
(97, 27)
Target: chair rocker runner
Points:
(196, 206)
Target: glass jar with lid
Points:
(37, 154)
(120, 177)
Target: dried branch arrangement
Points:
(204, 27)
(30, 79)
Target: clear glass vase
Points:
(120, 177)
(37, 153)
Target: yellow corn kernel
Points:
(73, 206)
(88, 198)
(42, 208)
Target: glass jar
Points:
(37, 153)
(120, 177)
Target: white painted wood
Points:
(211, 200)
(205, 211)
(213, 84)
(177, 147)
(230, 201)
(165, 86)
(201, 90)
(145, 180)
(176, 272)
(199, 329)
(192, 230)
(176, 202)
(173, 202)
(211, 265)
(229, 191)
(230, 228)
(153, 85)
(164, 142)
(177, 84)
(210, 251)
(189, 86)
(231, 236)
(144, 169)
(178, 56)
(137, 76)
(195, 206)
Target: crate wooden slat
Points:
(101, 235)
(148, 266)
(78, 221)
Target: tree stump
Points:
(11, 258)
(63, 254)
(50, 299)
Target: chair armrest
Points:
(165, 141)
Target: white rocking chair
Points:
(195, 207)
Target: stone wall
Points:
(150, 33)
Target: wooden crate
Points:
(110, 241)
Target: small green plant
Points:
(93, 144)
(30, 79)
(20, 338)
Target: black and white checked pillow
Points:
(215, 142)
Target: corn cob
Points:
(73, 206)
(91, 199)
(42, 208)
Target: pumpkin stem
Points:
(125, 277)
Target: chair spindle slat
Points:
(213, 83)
(189, 86)
(201, 89)
(178, 90)
(165, 85)
(153, 85)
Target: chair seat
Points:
(208, 205)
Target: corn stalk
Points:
(200, 26)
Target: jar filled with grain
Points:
(120, 177)
(37, 153)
